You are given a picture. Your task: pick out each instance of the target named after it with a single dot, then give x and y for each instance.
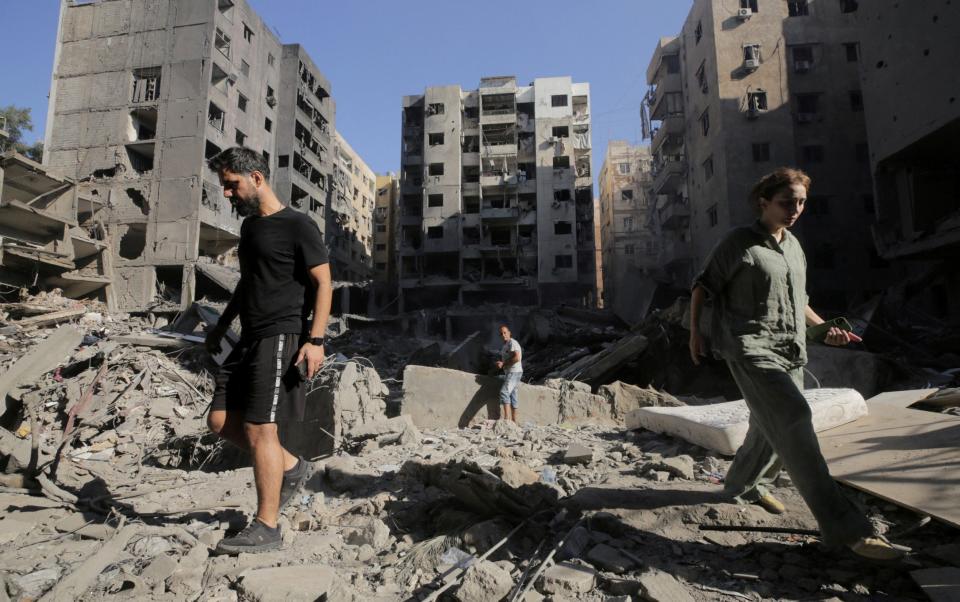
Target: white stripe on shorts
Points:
(276, 383)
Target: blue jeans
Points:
(508, 392)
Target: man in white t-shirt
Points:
(509, 362)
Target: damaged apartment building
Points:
(629, 247)
(912, 106)
(142, 93)
(742, 91)
(496, 197)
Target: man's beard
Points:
(247, 206)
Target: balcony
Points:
(499, 214)
(669, 174)
(498, 150)
(498, 179)
(675, 215)
(670, 133)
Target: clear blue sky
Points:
(376, 51)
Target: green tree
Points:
(18, 120)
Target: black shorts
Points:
(260, 381)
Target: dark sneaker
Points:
(293, 481)
(257, 537)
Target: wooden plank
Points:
(908, 457)
(900, 399)
(941, 584)
(51, 318)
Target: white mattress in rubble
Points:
(723, 426)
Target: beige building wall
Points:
(350, 237)
(598, 250)
(627, 239)
(765, 88)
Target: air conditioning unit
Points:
(801, 66)
(744, 13)
(751, 64)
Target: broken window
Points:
(435, 169)
(623, 168)
(435, 139)
(244, 68)
(751, 55)
(562, 261)
(708, 168)
(798, 8)
(435, 200)
(672, 63)
(853, 51)
(561, 162)
(499, 133)
(802, 58)
(270, 59)
(435, 232)
(500, 236)
(247, 33)
(558, 100)
(215, 117)
(471, 174)
(856, 101)
(140, 157)
(283, 161)
(271, 97)
(143, 124)
(222, 43)
(705, 122)
(628, 223)
(526, 109)
(849, 6)
(435, 108)
(146, 84)
(526, 171)
(626, 194)
(471, 112)
(756, 101)
(240, 138)
(471, 204)
(471, 235)
(761, 152)
(211, 150)
(267, 124)
(497, 104)
(133, 241)
(242, 102)
(561, 131)
(808, 105)
(751, 4)
(226, 8)
(698, 32)
(471, 144)
(560, 228)
(561, 195)
(219, 78)
(713, 217)
(702, 77)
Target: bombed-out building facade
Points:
(142, 93)
(496, 195)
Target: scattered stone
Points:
(514, 473)
(484, 581)
(681, 467)
(374, 533)
(568, 578)
(658, 586)
(607, 558)
(304, 583)
(576, 543)
(578, 454)
(483, 535)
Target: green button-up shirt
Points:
(758, 290)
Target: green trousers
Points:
(781, 435)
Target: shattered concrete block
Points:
(514, 473)
(607, 558)
(723, 426)
(484, 581)
(303, 583)
(399, 429)
(681, 467)
(568, 578)
(578, 454)
(32, 585)
(624, 398)
(373, 532)
(658, 586)
(159, 569)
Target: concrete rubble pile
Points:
(416, 491)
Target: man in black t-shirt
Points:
(284, 277)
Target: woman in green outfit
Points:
(756, 280)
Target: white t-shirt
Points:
(507, 352)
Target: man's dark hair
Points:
(241, 161)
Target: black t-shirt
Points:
(276, 253)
